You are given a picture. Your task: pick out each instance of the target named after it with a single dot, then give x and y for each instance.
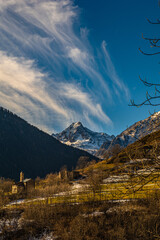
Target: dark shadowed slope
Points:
(25, 148)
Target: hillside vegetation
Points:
(146, 147)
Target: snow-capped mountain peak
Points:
(77, 124)
(81, 137)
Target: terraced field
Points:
(119, 185)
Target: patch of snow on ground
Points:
(44, 236)
(138, 160)
(94, 214)
(125, 208)
(17, 202)
(10, 224)
(116, 179)
(77, 188)
(145, 171)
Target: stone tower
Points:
(21, 176)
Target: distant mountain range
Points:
(99, 144)
(78, 136)
(133, 133)
(24, 147)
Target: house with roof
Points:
(24, 185)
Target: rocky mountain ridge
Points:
(99, 144)
(133, 133)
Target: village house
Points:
(24, 185)
(73, 175)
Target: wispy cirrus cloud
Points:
(23, 87)
(48, 72)
(119, 85)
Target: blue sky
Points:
(76, 60)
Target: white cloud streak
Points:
(111, 72)
(72, 92)
(21, 76)
(41, 55)
(23, 89)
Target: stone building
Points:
(73, 175)
(63, 174)
(24, 185)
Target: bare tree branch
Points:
(158, 21)
(148, 54)
(150, 99)
(148, 84)
(146, 102)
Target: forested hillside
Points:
(25, 148)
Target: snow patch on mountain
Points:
(78, 136)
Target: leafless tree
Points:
(152, 99)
